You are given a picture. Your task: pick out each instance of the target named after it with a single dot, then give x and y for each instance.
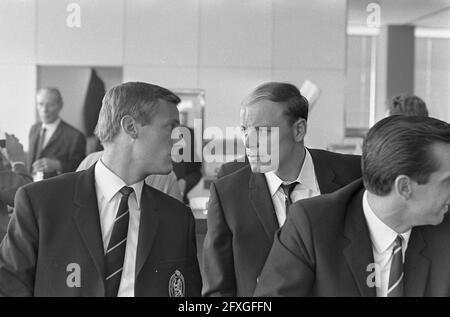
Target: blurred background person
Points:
(188, 172)
(408, 105)
(55, 147)
(13, 174)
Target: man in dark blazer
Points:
(246, 208)
(386, 237)
(103, 232)
(55, 146)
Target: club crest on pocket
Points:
(176, 284)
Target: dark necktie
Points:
(395, 288)
(40, 144)
(115, 252)
(287, 189)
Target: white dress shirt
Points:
(50, 128)
(307, 187)
(383, 241)
(107, 186)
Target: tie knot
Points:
(126, 191)
(288, 188)
(398, 241)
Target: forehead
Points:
(441, 153)
(46, 95)
(262, 113)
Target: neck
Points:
(290, 168)
(390, 212)
(118, 160)
(50, 122)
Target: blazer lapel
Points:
(324, 173)
(87, 217)
(416, 265)
(148, 227)
(358, 252)
(34, 137)
(261, 200)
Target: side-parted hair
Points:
(136, 99)
(296, 105)
(53, 90)
(401, 145)
(408, 105)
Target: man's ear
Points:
(129, 126)
(299, 129)
(403, 186)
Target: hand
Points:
(47, 165)
(14, 149)
(182, 185)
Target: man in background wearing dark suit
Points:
(55, 146)
(389, 237)
(249, 205)
(103, 232)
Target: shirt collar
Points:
(51, 126)
(382, 235)
(306, 176)
(109, 183)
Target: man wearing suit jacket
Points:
(103, 232)
(249, 205)
(389, 237)
(55, 146)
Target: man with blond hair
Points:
(102, 231)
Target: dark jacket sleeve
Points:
(18, 250)
(77, 152)
(289, 268)
(194, 286)
(10, 181)
(218, 266)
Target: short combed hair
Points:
(136, 99)
(408, 105)
(296, 105)
(53, 90)
(401, 145)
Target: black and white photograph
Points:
(240, 149)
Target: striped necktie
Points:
(395, 288)
(115, 252)
(288, 189)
